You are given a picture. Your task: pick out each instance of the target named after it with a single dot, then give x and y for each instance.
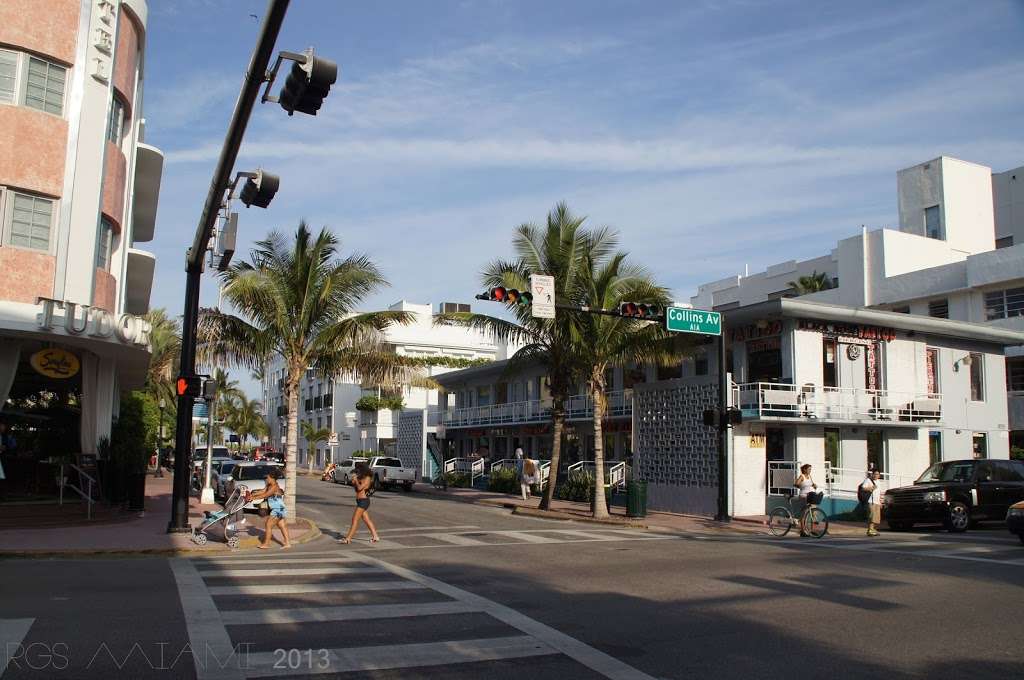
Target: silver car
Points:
(253, 475)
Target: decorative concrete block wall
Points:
(412, 438)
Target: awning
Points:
(149, 167)
(138, 281)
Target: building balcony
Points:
(810, 403)
(149, 168)
(579, 407)
(138, 282)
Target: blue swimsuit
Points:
(276, 504)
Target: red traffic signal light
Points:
(640, 310)
(511, 296)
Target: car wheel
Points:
(959, 518)
(900, 526)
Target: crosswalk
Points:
(469, 536)
(957, 548)
(344, 610)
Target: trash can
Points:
(636, 499)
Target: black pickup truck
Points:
(956, 493)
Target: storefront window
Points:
(764, 360)
(977, 379)
(833, 453)
(980, 445)
(934, 447)
(828, 362)
(876, 451)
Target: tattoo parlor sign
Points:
(848, 330)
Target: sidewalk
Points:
(655, 521)
(134, 532)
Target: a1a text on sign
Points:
(686, 320)
(543, 289)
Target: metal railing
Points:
(579, 407)
(510, 464)
(838, 482)
(812, 402)
(474, 467)
(83, 480)
(615, 473)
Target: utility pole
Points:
(723, 430)
(254, 78)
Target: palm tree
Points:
(244, 417)
(313, 436)
(560, 249)
(603, 340)
(806, 285)
(297, 301)
(165, 346)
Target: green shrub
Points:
(374, 403)
(578, 486)
(458, 479)
(503, 481)
(132, 436)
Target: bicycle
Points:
(812, 520)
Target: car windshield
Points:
(225, 468)
(251, 472)
(948, 472)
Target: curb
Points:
(570, 517)
(312, 534)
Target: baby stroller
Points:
(233, 507)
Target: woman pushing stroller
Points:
(277, 517)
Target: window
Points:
(1004, 242)
(8, 76)
(483, 396)
(876, 450)
(44, 89)
(31, 218)
(977, 377)
(670, 372)
(939, 308)
(106, 244)
(833, 453)
(700, 363)
(980, 445)
(934, 447)
(115, 124)
(1003, 304)
(1015, 374)
(828, 362)
(933, 223)
(1010, 471)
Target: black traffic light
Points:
(641, 310)
(510, 296)
(307, 85)
(259, 191)
(190, 386)
(733, 415)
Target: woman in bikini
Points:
(277, 517)
(362, 483)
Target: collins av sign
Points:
(686, 320)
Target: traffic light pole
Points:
(723, 431)
(254, 79)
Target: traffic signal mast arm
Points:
(629, 310)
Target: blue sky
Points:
(711, 135)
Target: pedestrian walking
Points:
(528, 477)
(867, 494)
(362, 483)
(278, 514)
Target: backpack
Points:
(864, 495)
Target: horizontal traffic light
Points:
(641, 310)
(510, 296)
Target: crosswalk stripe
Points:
(202, 620)
(336, 553)
(344, 613)
(381, 657)
(293, 588)
(585, 534)
(530, 538)
(443, 528)
(454, 539)
(309, 571)
(297, 558)
(12, 632)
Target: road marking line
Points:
(455, 539)
(212, 652)
(449, 546)
(528, 537)
(299, 558)
(344, 613)
(606, 665)
(309, 571)
(293, 588)
(381, 657)
(861, 547)
(445, 528)
(12, 632)
(585, 534)
(337, 553)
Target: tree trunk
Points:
(557, 425)
(597, 395)
(291, 444)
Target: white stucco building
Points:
(958, 254)
(331, 404)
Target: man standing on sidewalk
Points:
(867, 494)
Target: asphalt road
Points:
(464, 591)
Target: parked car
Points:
(1015, 520)
(344, 472)
(956, 494)
(253, 475)
(221, 475)
(199, 466)
(389, 472)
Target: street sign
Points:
(200, 409)
(333, 439)
(543, 289)
(686, 320)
